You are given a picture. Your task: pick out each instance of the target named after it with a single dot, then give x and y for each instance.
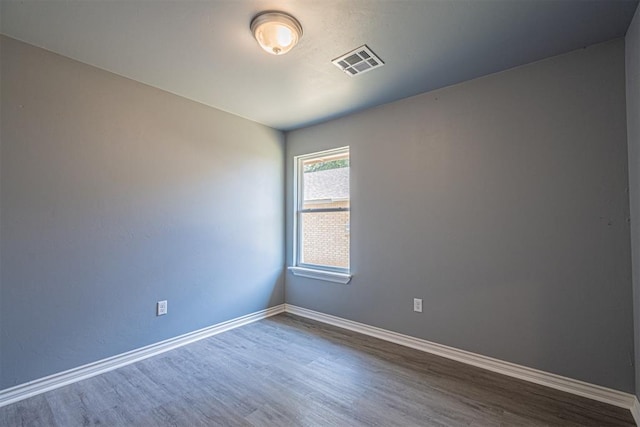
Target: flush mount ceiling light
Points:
(276, 32)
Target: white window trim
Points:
(312, 271)
(326, 275)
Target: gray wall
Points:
(502, 203)
(0, 213)
(116, 195)
(632, 47)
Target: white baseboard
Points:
(580, 388)
(41, 385)
(635, 411)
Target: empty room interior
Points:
(185, 240)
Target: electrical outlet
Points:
(417, 305)
(161, 308)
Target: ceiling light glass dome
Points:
(276, 32)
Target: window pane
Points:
(326, 182)
(325, 238)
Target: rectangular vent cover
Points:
(358, 61)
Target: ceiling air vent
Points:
(358, 61)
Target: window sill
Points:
(328, 276)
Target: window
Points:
(322, 216)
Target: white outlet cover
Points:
(417, 305)
(161, 308)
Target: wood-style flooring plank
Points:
(289, 371)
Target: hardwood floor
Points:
(289, 371)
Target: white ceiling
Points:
(203, 50)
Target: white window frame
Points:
(314, 271)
